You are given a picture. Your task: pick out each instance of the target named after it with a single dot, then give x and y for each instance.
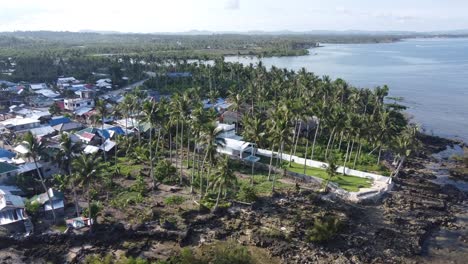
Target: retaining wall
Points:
(323, 165)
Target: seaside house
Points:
(13, 217)
(233, 144)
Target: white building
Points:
(104, 83)
(66, 81)
(38, 86)
(19, 124)
(74, 104)
(233, 145)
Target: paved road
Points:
(122, 90)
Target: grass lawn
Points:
(60, 228)
(349, 183)
(126, 167)
(263, 186)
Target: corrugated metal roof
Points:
(90, 149)
(6, 167)
(83, 110)
(59, 120)
(42, 131)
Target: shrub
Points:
(32, 207)
(139, 185)
(231, 253)
(174, 200)
(110, 259)
(323, 229)
(247, 194)
(209, 202)
(96, 207)
(164, 171)
(127, 198)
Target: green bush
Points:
(32, 207)
(164, 171)
(139, 185)
(209, 202)
(96, 207)
(110, 259)
(231, 253)
(174, 200)
(125, 199)
(247, 194)
(323, 229)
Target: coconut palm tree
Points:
(102, 111)
(253, 131)
(183, 108)
(280, 130)
(35, 148)
(149, 112)
(87, 167)
(224, 179)
(68, 150)
(236, 98)
(211, 141)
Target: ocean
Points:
(430, 74)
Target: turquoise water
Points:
(430, 74)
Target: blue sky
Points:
(233, 15)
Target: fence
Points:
(322, 165)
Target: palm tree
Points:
(236, 97)
(211, 140)
(126, 107)
(101, 109)
(279, 129)
(253, 131)
(67, 150)
(331, 171)
(223, 180)
(149, 111)
(406, 143)
(86, 168)
(35, 148)
(183, 108)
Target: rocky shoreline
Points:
(395, 230)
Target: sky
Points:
(147, 16)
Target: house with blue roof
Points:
(6, 154)
(59, 120)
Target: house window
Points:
(77, 105)
(89, 103)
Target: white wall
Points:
(323, 165)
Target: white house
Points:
(74, 104)
(19, 124)
(47, 93)
(38, 86)
(65, 81)
(104, 83)
(233, 145)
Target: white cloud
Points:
(233, 4)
